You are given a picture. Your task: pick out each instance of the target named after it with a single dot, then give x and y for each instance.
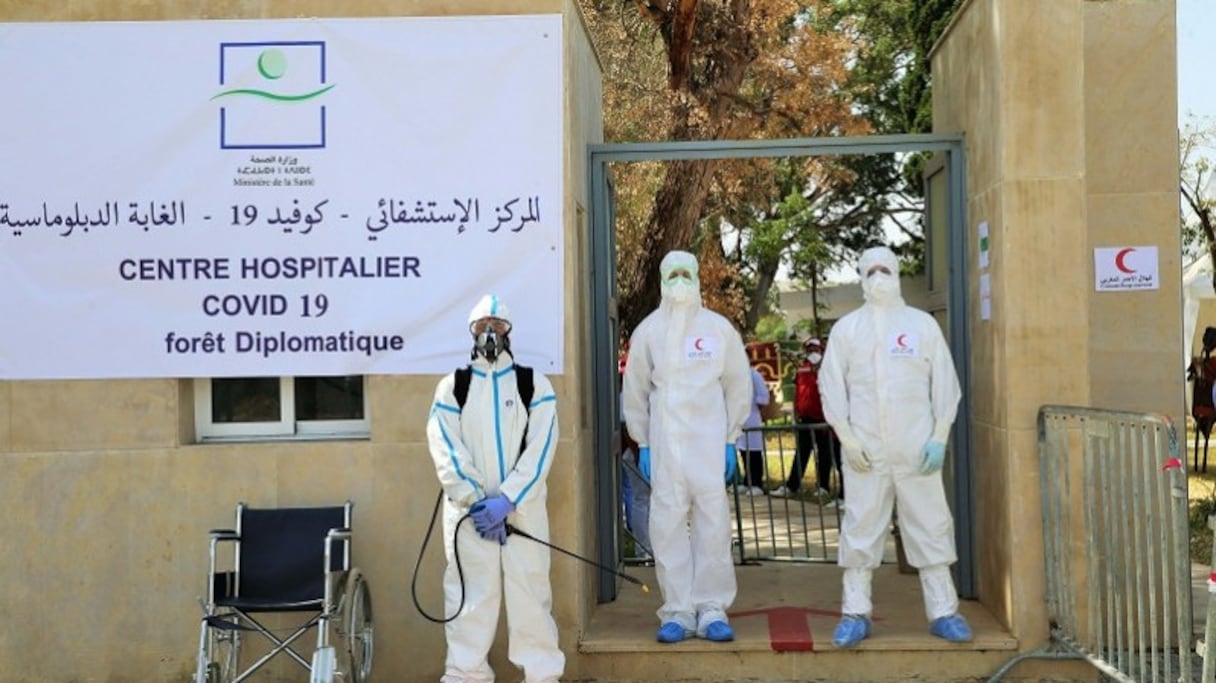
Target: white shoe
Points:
(780, 492)
(755, 491)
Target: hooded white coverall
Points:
(477, 455)
(888, 383)
(687, 391)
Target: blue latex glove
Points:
(934, 456)
(495, 533)
(644, 462)
(491, 512)
(732, 462)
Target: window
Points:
(281, 407)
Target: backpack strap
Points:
(461, 389)
(523, 381)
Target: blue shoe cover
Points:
(850, 631)
(953, 628)
(719, 632)
(671, 632)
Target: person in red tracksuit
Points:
(808, 410)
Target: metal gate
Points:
(1115, 544)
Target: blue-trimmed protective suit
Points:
(477, 454)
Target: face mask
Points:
(679, 290)
(488, 344)
(814, 357)
(883, 287)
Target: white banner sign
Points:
(1125, 268)
(263, 198)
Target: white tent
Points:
(1196, 286)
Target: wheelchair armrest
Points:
(337, 534)
(222, 584)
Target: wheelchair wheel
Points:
(222, 656)
(355, 629)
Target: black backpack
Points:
(523, 381)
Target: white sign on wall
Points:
(263, 198)
(1125, 268)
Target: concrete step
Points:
(783, 618)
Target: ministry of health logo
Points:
(271, 95)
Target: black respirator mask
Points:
(489, 344)
(490, 338)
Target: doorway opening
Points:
(945, 237)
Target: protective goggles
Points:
(501, 327)
(679, 274)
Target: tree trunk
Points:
(672, 225)
(718, 34)
(766, 275)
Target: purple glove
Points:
(491, 512)
(495, 533)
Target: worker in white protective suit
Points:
(492, 456)
(891, 393)
(687, 391)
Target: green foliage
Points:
(891, 79)
(1201, 503)
(890, 83)
(1201, 536)
(1197, 146)
(771, 327)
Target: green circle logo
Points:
(272, 64)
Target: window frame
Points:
(287, 428)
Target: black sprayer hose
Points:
(455, 551)
(512, 530)
(460, 571)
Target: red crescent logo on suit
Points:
(901, 341)
(697, 344)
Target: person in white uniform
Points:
(493, 457)
(686, 393)
(891, 392)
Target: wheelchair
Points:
(293, 562)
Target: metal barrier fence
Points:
(789, 507)
(781, 511)
(1116, 544)
(1208, 675)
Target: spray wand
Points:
(610, 570)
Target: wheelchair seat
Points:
(286, 560)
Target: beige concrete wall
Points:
(1131, 149)
(108, 501)
(1069, 111)
(571, 503)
